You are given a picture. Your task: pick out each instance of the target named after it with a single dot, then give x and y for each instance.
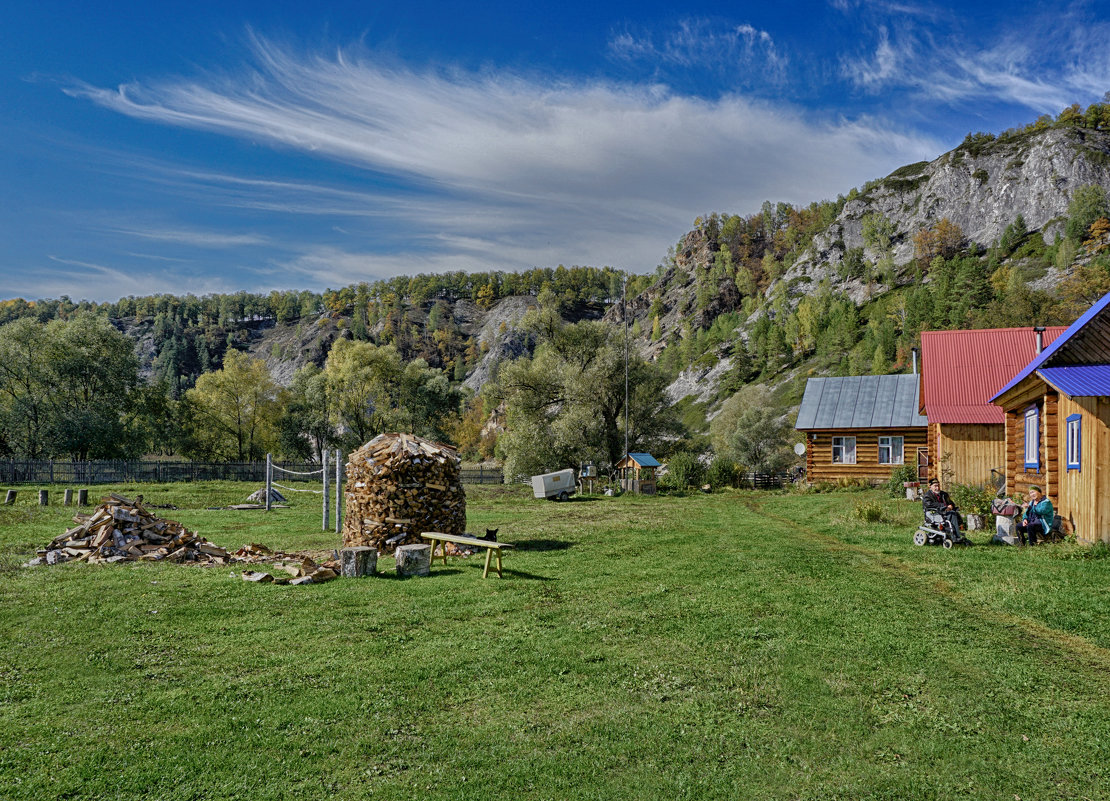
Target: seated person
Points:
(937, 500)
(1036, 521)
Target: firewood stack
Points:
(399, 485)
(120, 529)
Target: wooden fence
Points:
(48, 471)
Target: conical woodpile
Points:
(399, 485)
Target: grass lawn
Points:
(734, 645)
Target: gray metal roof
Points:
(861, 401)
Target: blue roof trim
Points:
(1080, 380)
(1058, 343)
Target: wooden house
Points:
(1057, 412)
(636, 472)
(960, 372)
(861, 427)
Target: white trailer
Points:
(558, 485)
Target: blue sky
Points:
(211, 147)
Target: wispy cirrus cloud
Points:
(1018, 63)
(483, 170)
(704, 43)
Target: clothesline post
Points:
(325, 472)
(269, 479)
(338, 483)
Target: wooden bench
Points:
(438, 538)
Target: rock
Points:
(257, 576)
(302, 580)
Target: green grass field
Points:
(734, 645)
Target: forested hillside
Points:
(1004, 230)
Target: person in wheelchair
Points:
(938, 501)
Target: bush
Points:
(722, 472)
(684, 470)
(971, 499)
(870, 512)
(898, 476)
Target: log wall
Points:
(820, 466)
(1047, 476)
(1084, 494)
(965, 453)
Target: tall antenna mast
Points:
(624, 317)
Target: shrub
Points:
(722, 472)
(971, 499)
(684, 470)
(870, 512)
(898, 476)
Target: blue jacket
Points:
(1042, 510)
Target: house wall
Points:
(819, 463)
(1047, 477)
(964, 453)
(1084, 495)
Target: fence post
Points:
(338, 484)
(269, 479)
(325, 474)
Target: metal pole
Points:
(269, 479)
(624, 316)
(325, 472)
(338, 484)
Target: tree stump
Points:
(44, 497)
(9, 499)
(67, 497)
(413, 560)
(82, 497)
(358, 562)
(1005, 530)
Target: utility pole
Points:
(624, 318)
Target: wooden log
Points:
(358, 562)
(413, 560)
(67, 498)
(44, 497)
(9, 499)
(82, 497)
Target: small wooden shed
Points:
(960, 372)
(1058, 425)
(636, 472)
(862, 427)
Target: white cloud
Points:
(195, 238)
(704, 43)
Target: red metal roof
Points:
(962, 370)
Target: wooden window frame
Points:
(1033, 413)
(890, 444)
(1074, 432)
(843, 442)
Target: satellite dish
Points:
(800, 448)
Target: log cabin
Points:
(960, 372)
(861, 427)
(1057, 413)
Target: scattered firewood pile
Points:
(120, 530)
(399, 485)
(292, 568)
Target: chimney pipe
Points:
(1039, 331)
(914, 351)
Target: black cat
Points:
(491, 535)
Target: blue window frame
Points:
(1075, 441)
(1032, 438)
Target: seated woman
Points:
(937, 500)
(1037, 518)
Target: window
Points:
(1032, 438)
(1075, 441)
(844, 450)
(890, 450)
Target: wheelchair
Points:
(937, 529)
